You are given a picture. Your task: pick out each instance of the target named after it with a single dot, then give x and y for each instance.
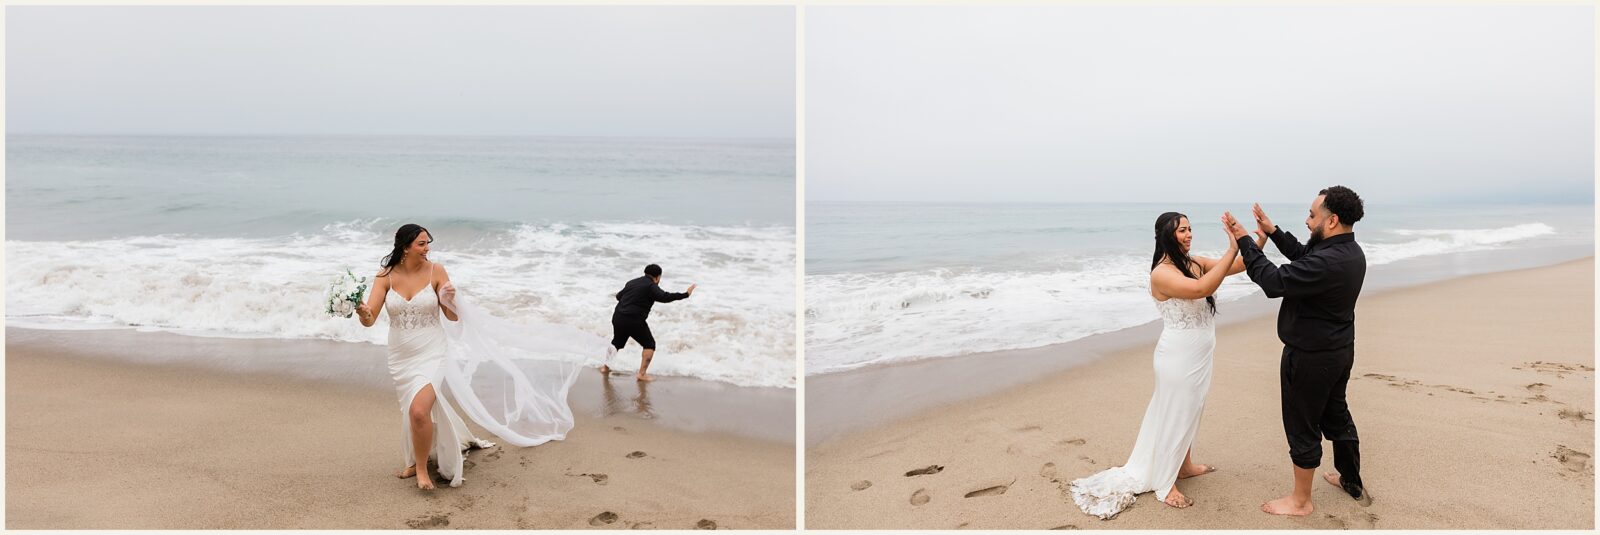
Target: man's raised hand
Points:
(1262, 221)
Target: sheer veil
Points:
(512, 379)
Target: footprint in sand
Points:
(988, 491)
(492, 455)
(429, 521)
(641, 525)
(1075, 442)
(636, 455)
(930, 470)
(1358, 520)
(1572, 460)
(705, 524)
(599, 479)
(1559, 369)
(603, 519)
(860, 485)
(1537, 388)
(1048, 471)
(620, 429)
(1086, 458)
(1068, 526)
(1575, 415)
(1029, 428)
(920, 497)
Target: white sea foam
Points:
(738, 327)
(1428, 242)
(861, 319)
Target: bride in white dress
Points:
(510, 379)
(1182, 287)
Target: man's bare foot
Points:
(424, 482)
(1287, 506)
(605, 370)
(643, 378)
(1177, 499)
(1333, 479)
(409, 471)
(1195, 470)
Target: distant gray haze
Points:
(1204, 104)
(725, 72)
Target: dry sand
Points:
(1474, 398)
(96, 443)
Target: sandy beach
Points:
(1474, 398)
(154, 441)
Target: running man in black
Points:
(1317, 324)
(633, 308)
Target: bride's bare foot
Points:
(605, 370)
(424, 482)
(644, 378)
(1287, 506)
(409, 471)
(1177, 499)
(1195, 470)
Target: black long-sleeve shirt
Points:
(640, 294)
(1319, 287)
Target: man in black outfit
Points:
(633, 307)
(1317, 324)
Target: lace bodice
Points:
(421, 311)
(1185, 313)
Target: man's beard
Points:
(1316, 236)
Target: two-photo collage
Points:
(800, 266)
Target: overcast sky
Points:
(724, 72)
(1204, 104)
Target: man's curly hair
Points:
(1343, 203)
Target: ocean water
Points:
(240, 236)
(891, 282)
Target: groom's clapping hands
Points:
(1263, 221)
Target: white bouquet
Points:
(345, 294)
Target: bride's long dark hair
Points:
(402, 239)
(1167, 246)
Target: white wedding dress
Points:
(1183, 376)
(416, 359)
(509, 378)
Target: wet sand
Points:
(126, 430)
(1474, 398)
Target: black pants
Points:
(1312, 388)
(625, 327)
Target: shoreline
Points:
(843, 402)
(674, 402)
(108, 430)
(1474, 398)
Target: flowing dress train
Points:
(1182, 364)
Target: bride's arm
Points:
(367, 313)
(1238, 263)
(1168, 281)
(447, 294)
